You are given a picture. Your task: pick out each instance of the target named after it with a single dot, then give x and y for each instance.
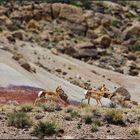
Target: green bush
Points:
(94, 128)
(19, 120)
(82, 3)
(114, 116)
(97, 122)
(88, 119)
(134, 48)
(45, 129)
(26, 108)
(48, 108)
(135, 131)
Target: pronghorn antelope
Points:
(44, 94)
(96, 94)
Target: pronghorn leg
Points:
(82, 100)
(100, 102)
(88, 100)
(38, 99)
(97, 101)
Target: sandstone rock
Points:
(85, 50)
(88, 14)
(104, 40)
(69, 50)
(56, 10)
(133, 66)
(44, 35)
(106, 22)
(123, 93)
(46, 10)
(79, 29)
(131, 31)
(134, 72)
(4, 20)
(54, 51)
(131, 56)
(23, 63)
(91, 34)
(100, 31)
(26, 15)
(16, 15)
(18, 34)
(17, 56)
(32, 24)
(93, 22)
(71, 13)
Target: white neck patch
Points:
(39, 93)
(85, 92)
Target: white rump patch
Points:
(85, 92)
(39, 93)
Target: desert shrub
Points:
(87, 119)
(45, 129)
(114, 116)
(135, 131)
(19, 120)
(56, 1)
(26, 108)
(69, 109)
(58, 108)
(68, 118)
(82, 3)
(73, 112)
(97, 122)
(134, 48)
(94, 128)
(48, 108)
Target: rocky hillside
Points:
(106, 35)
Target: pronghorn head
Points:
(103, 88)
(61, 93)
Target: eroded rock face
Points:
(85, 50)
(71, 13)
(132, 31)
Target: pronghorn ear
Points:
(58, 87)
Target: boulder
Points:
(91, 34)
(106, 22)
(100, 31)
(131, 56)
(84, 50)
(79, 29)
(23, 63)
(122, 93)
(132, 31)
(19, 34)
(4, 20)
(71, 13)
(17, 56)
(93, 22)
(32, 24)
(134, 72)
(104, 40)
(44, 35)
